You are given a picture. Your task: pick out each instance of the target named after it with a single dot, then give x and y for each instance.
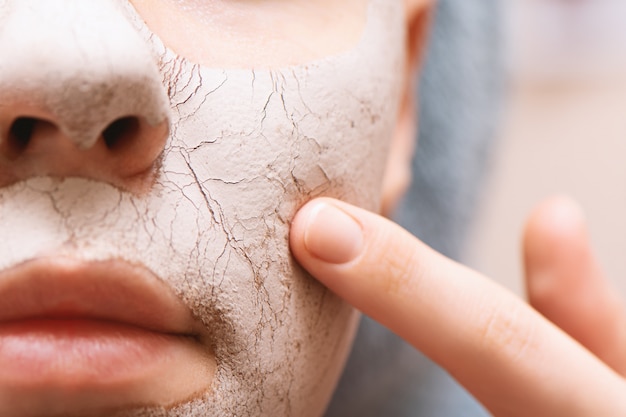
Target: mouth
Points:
(78, 337)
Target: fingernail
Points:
(331, 235)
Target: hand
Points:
(509, 356)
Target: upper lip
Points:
(114, 291)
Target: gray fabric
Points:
(460, 99)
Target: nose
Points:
(80, 93)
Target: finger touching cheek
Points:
(351, 258)
(492, 342)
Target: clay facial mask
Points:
(246, 148)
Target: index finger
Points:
(507, 355)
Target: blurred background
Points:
(563, 131)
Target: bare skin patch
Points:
(276, 33)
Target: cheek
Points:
(248, 147)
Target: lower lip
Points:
(78, 354)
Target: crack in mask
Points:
(246, 149)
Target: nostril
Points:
(21, 131)
(121, 131)
(124, 153)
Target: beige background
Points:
(564, 131)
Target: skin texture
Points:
(209, 213)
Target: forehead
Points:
(252, 33)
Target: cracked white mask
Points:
(122, 158)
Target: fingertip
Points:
(324, 231)
(555, 226)
(557, 254)
(557, 216)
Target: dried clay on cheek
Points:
(247, 148)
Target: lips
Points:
(113, 291)
(79, 336)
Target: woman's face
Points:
(152, 155)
